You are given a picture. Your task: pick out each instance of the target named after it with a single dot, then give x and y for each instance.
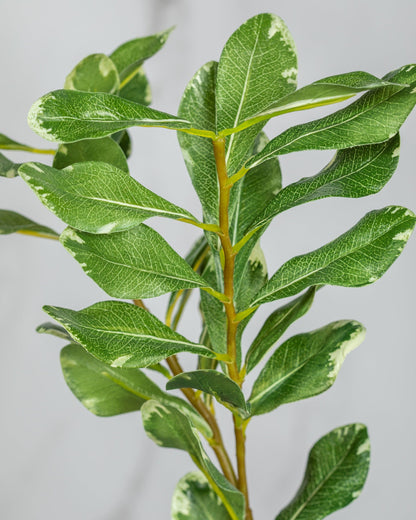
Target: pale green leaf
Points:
(322, 92)
(123, 335)
(106, 391)
(117, 201)
(69, 115)
(194, 499)
(276, 325)
(375, 117)
(12, 222)
(353, 172)
(103, 150)
(198, 105)
(224, 389)
(305, 365)
(258, 65)
(358, 257)
(169, 428)
(8, 168)
(95, 73)
(133, 264)
(335, 474)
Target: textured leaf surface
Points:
(103, 150)
(116, 200)
(353, 172)
(305, 365)
(194, 499)
(198, 105)
(358, 257)
(133, 264)
(224, 389)
(8, 168)
(108, 391)
(167, 427)
(258, 65)
(11, 222)
(323, 92)
(69, 115)
(335, 474)
(375, 117)
(276, 325)
(95, 73)
(123, 335)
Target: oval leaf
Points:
(123, 335)
(358, 257)
(11, 222)
(169, 428)
(69, 115)
(95, 73)
(133, 264)
(305, 365)
(276, 325)
(224, 389)
(117, 201)
(194, 499)
(335, 475)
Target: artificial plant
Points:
(114, 347)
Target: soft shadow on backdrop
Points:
(59, 461)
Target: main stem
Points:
(232, 323)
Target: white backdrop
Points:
(58, 460)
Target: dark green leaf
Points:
(335, 475)
(169, 428)
(54, 330)
(276, 325)
(11, 222)
(68, 115)
(358, 257)
(305, 365)
(224, 389)
(123, 335)
(375, 117)
(133, 264)
(117, 201)
(194, 499)
(123, 139)
(103, 150)
(137, 89)
(258, 65)
(95, 73)
(8, 168)
(353, 172)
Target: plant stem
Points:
(232, 322)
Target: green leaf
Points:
(251, 279)
(123, 335)
(123, 139)
(116, 200)
(198, 105)
(133, 264)
(54, 330)
(9, 144)
(258, 65)
(322, 92)
(194, 499)
(335, 474)
(169, 428)
(8, 168)
(358, 257)
(137, 89)
(375, 117)
(129, 56)
(68, 115)
(11, 222)
(353, 172)
(224, 389)
(104, 150)
(107, 391)
(95, 73)
(276, 325)
(305, 365)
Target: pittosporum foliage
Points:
(112, 346)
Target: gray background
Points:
(58, 460)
